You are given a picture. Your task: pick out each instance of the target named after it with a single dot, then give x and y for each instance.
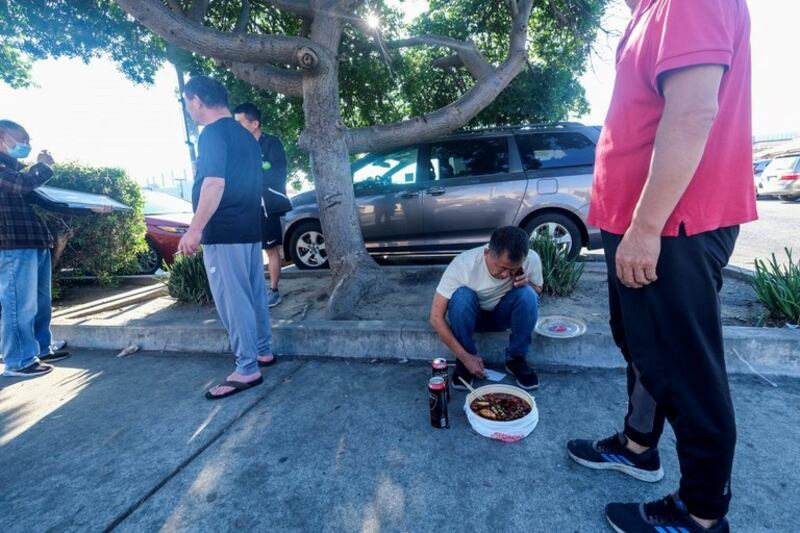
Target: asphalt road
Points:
(777, 227)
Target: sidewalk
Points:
(397, 328)
(331, 446)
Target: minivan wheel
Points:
(560, 227)
(307, 246)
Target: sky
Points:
(93, 114)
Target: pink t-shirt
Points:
(666, 35)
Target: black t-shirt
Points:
(227, 150)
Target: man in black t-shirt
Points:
(226, 199)
(274, 201)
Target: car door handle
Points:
(436, 191)
(409, 194)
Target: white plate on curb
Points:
(560, 327)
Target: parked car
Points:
(758, 172)
(447, 196)
(781, 178)
(167, 219)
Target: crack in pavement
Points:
(189, 460)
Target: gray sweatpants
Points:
(236, 276)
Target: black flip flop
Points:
(238, 386)
(262, 364)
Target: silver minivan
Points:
(781, 178)
(449, 195)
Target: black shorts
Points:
(271, 232)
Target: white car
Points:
(758, 174)
(781, 178)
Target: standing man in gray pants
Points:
(227, 209)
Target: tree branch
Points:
(197, 11)
(468, 54)
(244, 17)
(303, 8)
(275, 79)
(175, 6)
(184, 33)
(458, 113)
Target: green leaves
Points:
(561, 33)
(100, 245)
(187, 281)
(778, 287)
(561, 274)
(41, 29)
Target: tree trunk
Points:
(356, 277)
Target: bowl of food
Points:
(501, 412)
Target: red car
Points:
(167, 219)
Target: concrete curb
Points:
(742, 274)
(769, 350)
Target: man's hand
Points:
(474, 364)
(103, 210)
(190, 242)
(637, 256)
(521, 279)
(45, 157)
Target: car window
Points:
(783, 163)
(381, 170)
(761, 165)
(461, 159)
(159, 203)
(555, 150)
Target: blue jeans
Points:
(518, 310)
(25, 277)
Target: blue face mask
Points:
(20, 151)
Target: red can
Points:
(437, 393)
(439, 369)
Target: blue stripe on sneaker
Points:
(608, 458)
(672, 529)
(625, 460)
(661, 529)
(683, 530)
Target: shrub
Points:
(561, 274)
(187, 281)
(100, 245)
(778, 287)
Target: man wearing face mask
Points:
(490, 288)
(25, 267)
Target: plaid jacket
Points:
(20, 226)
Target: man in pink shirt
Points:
(673, 183)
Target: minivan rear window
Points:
(783, 163)
(541, 151)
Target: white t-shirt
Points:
(469, 270)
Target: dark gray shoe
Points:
(30, 371)
(58, 355)
(273, 297)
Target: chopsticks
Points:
(496, 409)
